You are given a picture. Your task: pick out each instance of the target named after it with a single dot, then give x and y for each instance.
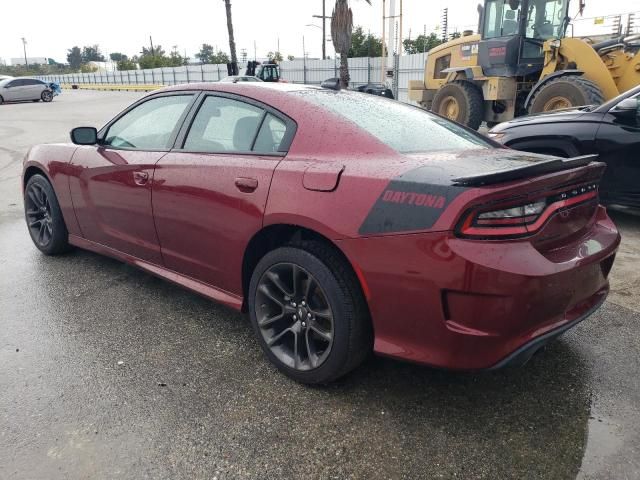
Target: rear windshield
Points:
(404, 128)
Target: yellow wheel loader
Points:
(522, 62)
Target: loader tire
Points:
(460, 101)
(566, 92)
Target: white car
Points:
(24, 89)
(240, 79)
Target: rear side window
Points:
(227, 125)
(402, 127)
(271, 135)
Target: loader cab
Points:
(514, 32)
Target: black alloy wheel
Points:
(308, 311)
(47, 96)
(44, 218)
(294, 316)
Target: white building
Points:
(31, 60)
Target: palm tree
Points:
(232, 41)
(341, 29)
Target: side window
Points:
(150, 125)
(16, 83)
(270, 136)
(224, 125)
(442, 63)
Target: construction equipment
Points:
(522, 62)
(267, 72)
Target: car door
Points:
(34, 89)
(209, 194)
(111, 190)
(618, 143)
(15, 91)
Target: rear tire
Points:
(44, 218)
(566, 92)
(460, 101)
(333, 336)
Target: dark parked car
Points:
(341, 222)
(611, 130)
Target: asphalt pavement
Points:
(108, 372)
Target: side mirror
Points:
(84, 136)
(628, 108)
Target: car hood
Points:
(558, 116)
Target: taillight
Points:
(504, 220)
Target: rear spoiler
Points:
(539, 168)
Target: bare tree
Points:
(341, 30)
(232, 41)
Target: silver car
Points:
(23, 89)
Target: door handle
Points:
(246, 185)
(140, 178)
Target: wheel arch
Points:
(277, 235)
(538, 86)
(31, 170)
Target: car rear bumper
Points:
(474, 305)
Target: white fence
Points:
(362, 70)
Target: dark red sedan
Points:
(341, 222)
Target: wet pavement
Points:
(107, 372)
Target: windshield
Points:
(404, 128)
(547, 19)
(543, 19)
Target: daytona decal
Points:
(408, 204)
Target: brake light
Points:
(520, 220)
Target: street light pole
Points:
(24, 48)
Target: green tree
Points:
(205, 55)
(74, 57)
(364, 45)
(118, 57)
(91, 53)
(421, 43)
(127, 64)
(152, 58)
(275, 56)
(220, 57)
(341, 31)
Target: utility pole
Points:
(384, 38)
(324, 17)
(324, 30)
(445, 24)
(153, 53)
(24, 48)
(401, 46)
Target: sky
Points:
(125, 25)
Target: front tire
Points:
(309, 313)
(44, 217)
(460, 101)
(566, 92)
(47, 96)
